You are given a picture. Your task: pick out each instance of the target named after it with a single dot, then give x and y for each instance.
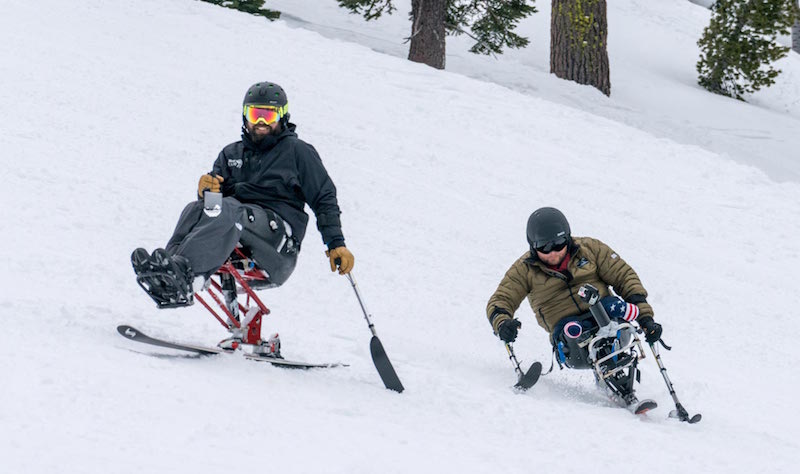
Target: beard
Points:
(260, 131)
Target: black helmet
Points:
(547, 226)
(267, 93)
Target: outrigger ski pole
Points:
(525, 380)
(379, 357)
(679, 412)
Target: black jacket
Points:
(282, 173)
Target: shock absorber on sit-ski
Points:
(229, 292)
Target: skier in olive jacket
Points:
(551, 273)
(266, 179)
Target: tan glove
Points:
(344, 257)
(209, 183)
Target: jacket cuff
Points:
(645, 310)
(497, 317)
(636, 299)
(335, 243)
(644, 320)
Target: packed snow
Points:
(112, 110)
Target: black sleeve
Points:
(221, 168)
(320, 194)
(220, 165)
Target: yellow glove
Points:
(209, 183)
(344, 257)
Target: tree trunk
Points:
(578, 47)
(796, 34)
(427, 32)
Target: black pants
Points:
(208, 241)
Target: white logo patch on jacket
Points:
(237, 163)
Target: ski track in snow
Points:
(436, 183)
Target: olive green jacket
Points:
(553, 295)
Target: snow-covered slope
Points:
(652, 50)
(111, 111)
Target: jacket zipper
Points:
(572, 296)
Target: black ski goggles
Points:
(553, 246)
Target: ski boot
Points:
(166, 278)
(140, 260)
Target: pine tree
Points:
(796, 30)
(740, 44)
(369, 9)
(490, 23)
(578, 42)
(255, 7)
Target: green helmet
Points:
(268, 93)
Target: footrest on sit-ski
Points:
(164, 289)
(623, 360)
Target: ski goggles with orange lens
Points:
(262, 113)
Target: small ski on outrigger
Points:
(133, 334)
(525, 380)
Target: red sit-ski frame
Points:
(250, 326)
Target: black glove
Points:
(652, 330)
(507, 330)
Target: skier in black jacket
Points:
(266, 180)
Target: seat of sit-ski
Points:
(255, 276)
